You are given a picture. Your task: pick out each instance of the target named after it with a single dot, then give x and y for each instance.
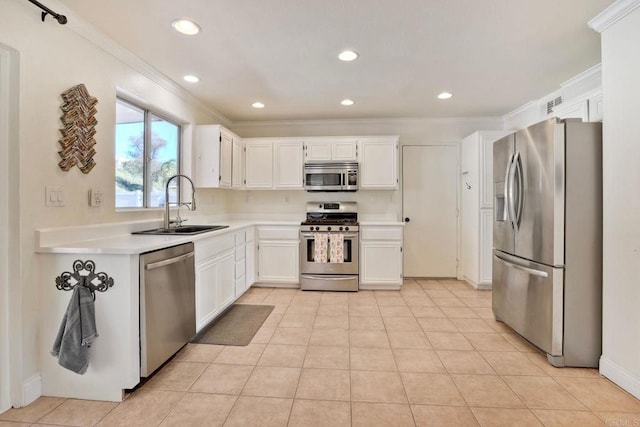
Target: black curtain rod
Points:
(46, 11)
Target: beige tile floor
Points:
(430, 354)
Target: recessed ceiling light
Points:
(257, 105)
(347, 102)
(445, 95)
(191, 79)
(348, 55)
(185, 26)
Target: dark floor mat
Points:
(236, 326)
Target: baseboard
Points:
(380, 287)
(484, 286)
(619, 375)
(481, 286)
(276, 285)
(31, 389)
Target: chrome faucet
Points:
(192, 205)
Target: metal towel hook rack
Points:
(46, 11)
(93, 281)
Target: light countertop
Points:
(131, 244)
(116, 239)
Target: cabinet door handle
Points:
(407, 219)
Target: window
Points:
(147, 154)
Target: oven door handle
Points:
(346, 235)
(306, 276)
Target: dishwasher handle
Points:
(169, 261)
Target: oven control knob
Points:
(340, 228)
(317, 228)
(346, 229)
(311, 228)
(328, 228)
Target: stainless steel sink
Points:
(187, 230)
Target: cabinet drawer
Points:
(279, 233)
(381, 233)
(240, 269)
(211, 247)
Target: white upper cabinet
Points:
(378, 163)
(331, 149)
(226, 156)
(258, 164)
(288, 164)
(214, 156)
(273, 164)
(278, 163)
(237, 168)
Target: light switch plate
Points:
(54, 195)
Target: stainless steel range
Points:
(329, 247)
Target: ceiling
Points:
(493, 55)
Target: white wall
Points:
(621, 175)
(9, 221)
(54, 58)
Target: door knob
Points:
(407, 219)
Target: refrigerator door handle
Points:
(531, 271)
(519, 200)
(510, 192)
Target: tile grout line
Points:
(251, 373)
(293, 399)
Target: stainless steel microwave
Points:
(335, 176)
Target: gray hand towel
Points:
(77, 331)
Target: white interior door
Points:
(429, 201)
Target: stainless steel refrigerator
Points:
(547, 238)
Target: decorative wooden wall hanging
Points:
(78, 129)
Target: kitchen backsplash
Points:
(372, 202)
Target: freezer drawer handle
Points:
(169, 261)
(531, 271)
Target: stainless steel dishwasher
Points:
(167, 304)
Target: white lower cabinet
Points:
(278, 254)
(215, 274)
(381, 256)
(226, 290)
(207, 274)
(245, 259)
(240, 263)
(250, 259)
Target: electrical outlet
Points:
(54, 195)
(95, 198)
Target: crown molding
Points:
(531, 105)
(111, 47)
(328, 122)
(592, 75)
(613, 14)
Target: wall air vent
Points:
(553, 103)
